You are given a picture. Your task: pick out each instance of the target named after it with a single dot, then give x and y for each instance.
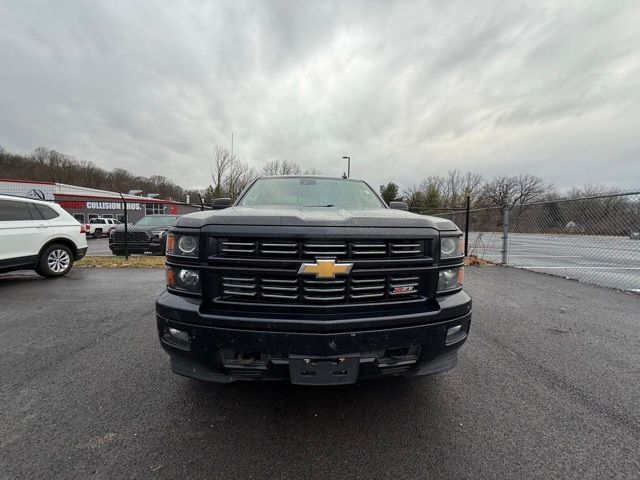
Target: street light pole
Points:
(348, 165)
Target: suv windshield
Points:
(157, 220)
(311, 192)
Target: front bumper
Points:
(226, 353)
(138, 247)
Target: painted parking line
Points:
(545, 256)
(579, 268)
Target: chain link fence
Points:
(121, 224)
(594, 239)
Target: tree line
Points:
(445, 193)
(230, 175)
(53, 166)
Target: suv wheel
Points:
(97, 233)
(55, 261)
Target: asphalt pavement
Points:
(546, 387)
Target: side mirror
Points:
(221, 203)
(399, 206)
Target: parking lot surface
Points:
(546, 387)
(606, 261)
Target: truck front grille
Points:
(282, 289)
(303, 249)
(119, 237)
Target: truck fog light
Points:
(454, 334)
(454, 330)
(177, 338)
(178, 334)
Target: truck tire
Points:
(55, 260)
(97, 233)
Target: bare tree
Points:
(222, 161)
(454, 187)
(414, 197)
(40, 155)
(472, 185)
(281, 167)
(514, 190)
(240, 174)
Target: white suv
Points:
(38, 235)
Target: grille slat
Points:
(369, 249)
(362, 296)
(357, 249)
(280, 289)
(324, 299)
(132, 236)
(326, 292)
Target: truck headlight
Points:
(181, 244)
(183, 279)
(450, 279)
(451, 247)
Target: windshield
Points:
(157, 220)
(311, 192)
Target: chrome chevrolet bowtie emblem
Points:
(325, 268)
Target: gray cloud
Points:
(408, 89)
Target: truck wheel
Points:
(55, 260)
(97, 233)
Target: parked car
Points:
(147, 235)
(38, 235)
(312, 280)
(99, 227)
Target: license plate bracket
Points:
(309, 370)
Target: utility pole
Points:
(232, 144)
(348, 165)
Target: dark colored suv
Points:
(313, 280)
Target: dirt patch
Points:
(474, 260)
(121, 262)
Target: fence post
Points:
(466, 227)
(505, 233)
(126, 228)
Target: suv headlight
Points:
(450, 279)
(451, 247)
(181, 244)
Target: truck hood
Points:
(313, 216)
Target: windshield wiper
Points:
(330, 205)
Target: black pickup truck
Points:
(146, 235)
(314, 280)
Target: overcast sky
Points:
(407, 89)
